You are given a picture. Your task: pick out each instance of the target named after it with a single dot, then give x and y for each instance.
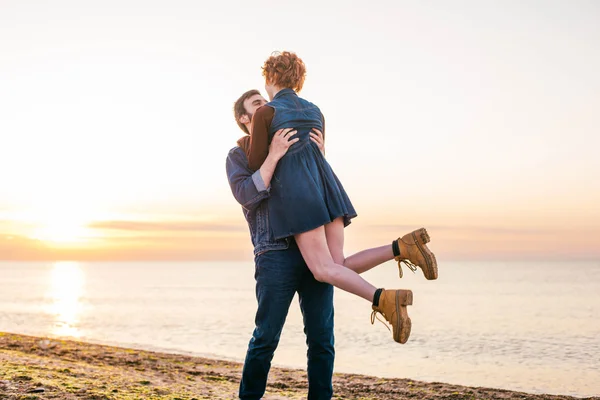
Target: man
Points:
(280, 270)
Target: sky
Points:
(479, 120)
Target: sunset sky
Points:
(477, 119)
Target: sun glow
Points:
(63, 232)
(59, 221)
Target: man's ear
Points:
(244, 119)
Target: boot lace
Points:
(408, 263)
(374, 315)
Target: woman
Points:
(309, 202)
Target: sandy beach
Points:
(47, 368)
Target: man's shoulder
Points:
(234, 149)
(237, 156)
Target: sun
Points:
(63, 232)
(62, 225)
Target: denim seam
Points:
(255, 199)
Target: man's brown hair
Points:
(239, 109)
(285, 70)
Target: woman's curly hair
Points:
(285, 70)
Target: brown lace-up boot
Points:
(414, 253)
(392, 305)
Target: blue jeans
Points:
(279, 275)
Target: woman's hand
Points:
(282, 140)
(317, 137)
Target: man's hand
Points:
(317, 137)
(282, 140)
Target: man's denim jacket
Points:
(250, 191)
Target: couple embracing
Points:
(297, 209)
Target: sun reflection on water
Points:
(66, 290)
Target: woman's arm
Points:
(259, 137)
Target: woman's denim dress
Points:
(305, 193)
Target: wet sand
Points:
(34, 368)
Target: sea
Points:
(525, 326)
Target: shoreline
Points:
(42, 368)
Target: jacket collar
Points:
(283, 92)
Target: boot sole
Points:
(403, 298)
(421, 238)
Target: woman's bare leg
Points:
(316, 252)
(334, 234)
(368, 259)
(322, 249)
(359, 262)
(411, 249)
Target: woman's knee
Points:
(323, 272)
(338, 258)
(321, 276)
